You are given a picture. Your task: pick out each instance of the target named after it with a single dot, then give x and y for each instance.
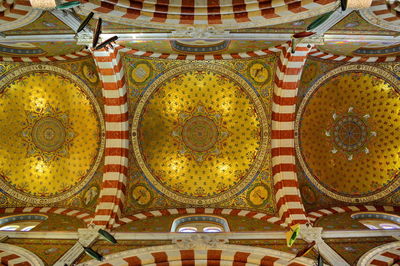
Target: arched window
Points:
(23, 222)
(378, 220)
(200, 224)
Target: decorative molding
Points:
(199, 241)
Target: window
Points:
(200, 224)
(23, 222)
(378, 220)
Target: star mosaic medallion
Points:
(200, 133)
(47, 134)
(350, 133)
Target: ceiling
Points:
(199, 130)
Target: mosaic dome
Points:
(50, 136)
(198, 134)
(348, 141)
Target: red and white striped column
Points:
(287, 76)
(112, 193)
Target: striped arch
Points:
(185, 211)
(83, 53)
(244, 55)
(11, 10)
(112, 193)
(313, 216)
(382, 15)
(288, 199)
(17, 256)
(384, 255)
(175, 14)
(352, 59)
(86, 217)
(221, 254)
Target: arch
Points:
(112, 194)
(382, 15)
(201, 255)
(383, 255)
(352, 59)
(212, 211)
(83, 53)
(313, 216)
(10, 254)
(86, 217)
(189, 14)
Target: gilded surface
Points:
(51, 137)
(181, 139)
(355, 90)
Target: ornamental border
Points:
(13, 75)
(387, 76)
(262, 148)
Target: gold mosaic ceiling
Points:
(197, 133)
(50, 134)
(348, 133)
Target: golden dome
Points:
(348, 140)
(50, 136)
(198, 134)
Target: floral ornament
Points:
(200, 133)
(47, 134)
(350, 133)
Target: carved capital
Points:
(199, 241)
(87, 236)
(309, 233)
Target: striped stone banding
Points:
(383, 14)
(220, 255)
(86, 217)
(13, 10)
(188, 211)
(384, 255)
(9, 258)
(12, 255)
(40, 59)
(112, 195)
(287, 76)
(353, 59)
(313, 216)
(222, 13)
(386, 258)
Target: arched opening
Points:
(23, 222)
(200, 224)
(378, 220)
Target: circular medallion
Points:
(199, 133)
(51, 134)
(140, 71)
(308, 195)
(260, 72)
(90, 196)
(350, 133)
(141, 195)
(48, 134)
(346, 134)
(90, 73)
(258, 195)
(193, 142)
